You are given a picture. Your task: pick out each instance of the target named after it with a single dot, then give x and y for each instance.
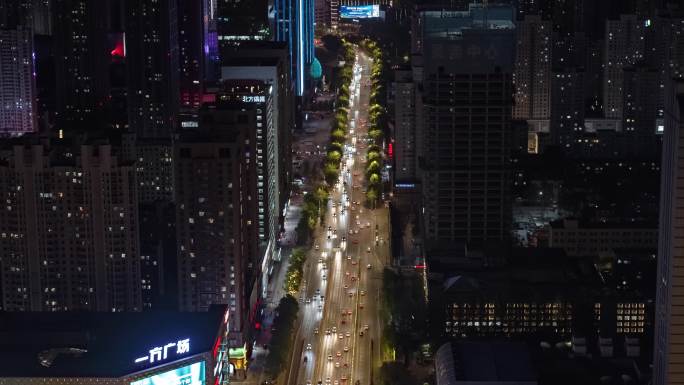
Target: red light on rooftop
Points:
(118, 50)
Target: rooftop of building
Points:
(570, 223)
(98, 344)
(529, 274)
(444, 23)
(486, 362)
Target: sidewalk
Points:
(255, 370)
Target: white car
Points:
(308, 346)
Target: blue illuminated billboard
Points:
(186, 375)
(359, 11)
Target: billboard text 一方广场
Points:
(192, 374)
(359, 11)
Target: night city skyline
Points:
(341, 192)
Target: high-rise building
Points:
(69, 238)
(404, 145)
(216, 220)
(193, 47)
(258, 94)
(17, 82)
(624, 46)
(669, 329)
(81, 62)
(532, 76)
(268, 62)
(465, 124)
(326, 14)
(292, 21)
(242, 20)
(152, 67)
(567, 106)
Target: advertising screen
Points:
(359, 11)
(187, 375)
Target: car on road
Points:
(308, 346)
(363, 292)
(339, 354)
(348, 334)
(315, 330)
(353, 262)
(346, 349)
(327, 332)
(368, 266)
(365, 326)
(316, 246)
(361, 305)
(368, 249)
(340, 336)
(330, 357)
(349, 257)
(337, 364)
(361, 333)
(334, 329)
(308, 300)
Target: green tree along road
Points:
(377, 120)
(293, 277)
(281, 340)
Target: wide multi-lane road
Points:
(338, 338)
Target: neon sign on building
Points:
(161, 353)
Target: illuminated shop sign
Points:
(186, 375)
(161, 353)
(359, 11)
(254, 99)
